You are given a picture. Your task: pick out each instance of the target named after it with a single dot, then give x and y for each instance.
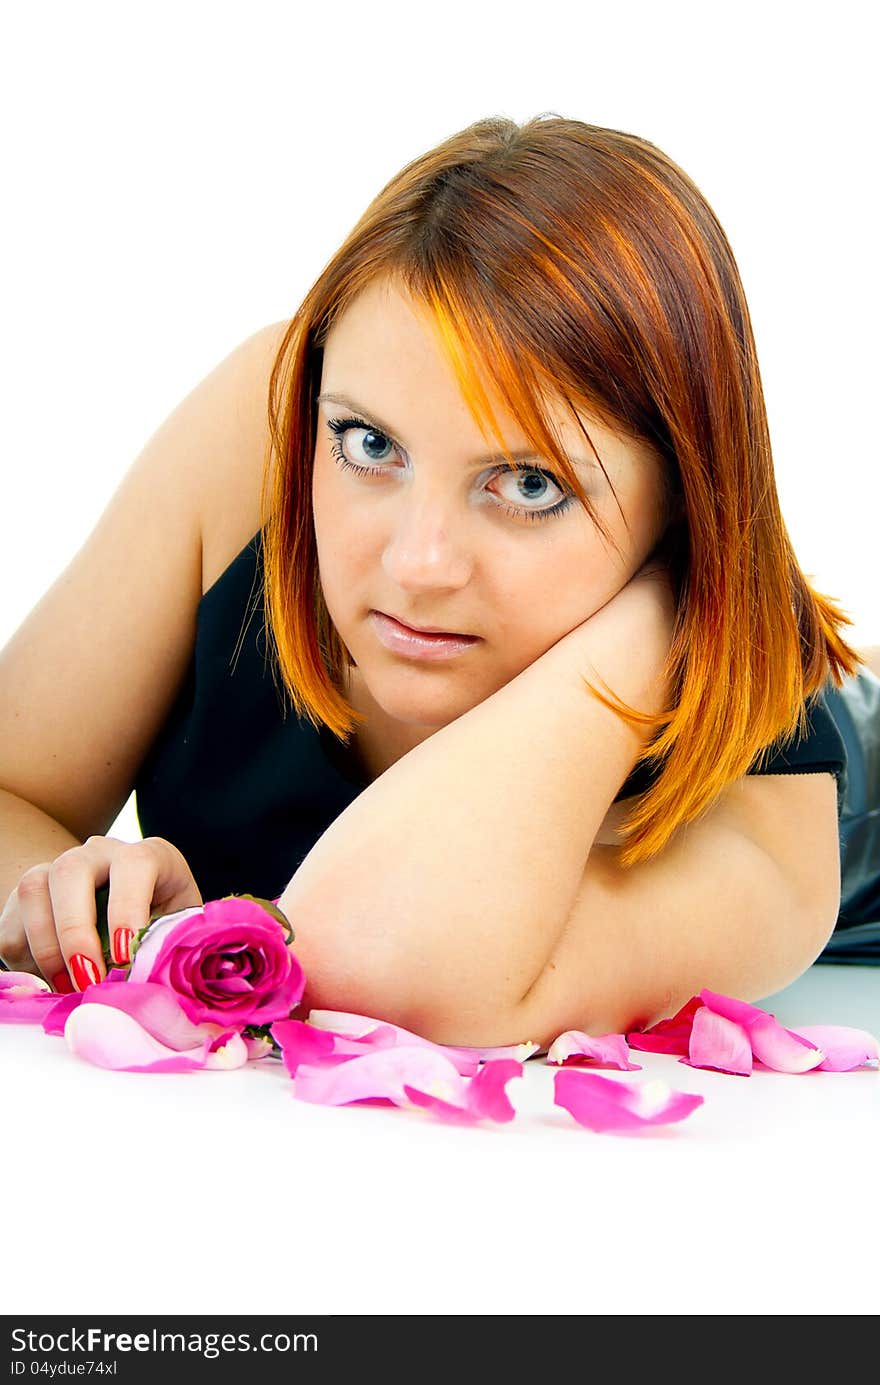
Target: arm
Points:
(27, 836)
(436, 898)
(741, 901)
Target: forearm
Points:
(27, 837)
(440, 892)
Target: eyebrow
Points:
(524, 454)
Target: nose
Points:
(422, 553)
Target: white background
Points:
(175, 175)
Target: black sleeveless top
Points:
(245, 792)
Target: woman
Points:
(521, 406)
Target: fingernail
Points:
(85, 973)
(122, 940)
(62, 983)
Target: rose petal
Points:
(844, 1048)
(383, 1073)
(772, 1044)
(257, 1047)
(717, 1042)
(155, 1009)
(603, 1103)
(304, 1043)
(110, 1038)
(486, 1095)
(229, 1050)
(609, 1050)
(486, 1092)
(669, 1035)
(25, 998)
(151, 944)
(22, 981)
(56, 1018)
(376, 1033)
(444, 1110)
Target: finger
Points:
(72, 879)
(138, 875)
(169, 886)
(15, 955)
(38, 938)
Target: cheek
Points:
(539, 596)
(347, 549)
(338, 536)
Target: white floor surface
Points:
(216, 1192)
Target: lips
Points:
(428, 629)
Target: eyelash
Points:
(340, 426)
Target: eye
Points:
(374, 446)
(523, 483)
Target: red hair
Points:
(635, 313)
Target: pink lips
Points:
(412, 644)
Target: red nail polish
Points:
(62, 984)
(85, 973)
(122, 940)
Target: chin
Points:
(421, 694)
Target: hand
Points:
(626, 642)
(54, 912)
(647, 595)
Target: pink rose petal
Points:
(603, 1103)
(150, 945)
(110, 1038)
(305, 1043)
(25, 998)
(230, 1050)
(669, 1035)
(487, 1092)
(155, 1009)
(383, 1073)
(772, 1044)
(610, 1050)
(844, 1048)
(443, 1110)
(257, 1047)
(486, 1095)
(374, 1033)
(139, 1026)
(720, 1043)
(56, 1018)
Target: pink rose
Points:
(227, 961)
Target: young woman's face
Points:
(439, 535)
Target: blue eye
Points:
(342, 426)
(525, 476)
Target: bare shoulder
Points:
(230, 500)
(793, 818)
